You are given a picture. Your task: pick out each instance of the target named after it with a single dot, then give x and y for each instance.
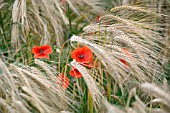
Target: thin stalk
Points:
(150, 107)
(3, 33)
(90, 102)
(109, 90)
(69, 18)
(29, 54)
(60, 55)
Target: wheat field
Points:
(84, 56)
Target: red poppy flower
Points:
(98, 18)
(63, 81)
(75, 73)
(42, 51)
(82, 55)
(124, 62)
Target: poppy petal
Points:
(124, 62)
(85, 52)
(42, 51)
(75, 73)
(35, 50)
(75, 52)
(63, 80)
(88, 52)
(41, 56)
(97, 18)
(47, 49)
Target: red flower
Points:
(75, 73)
(124, 62)
(42, 51)
(82, 55)
(98, 18)
(63, 81)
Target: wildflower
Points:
(98, 18)
(75, 73)
(82, 55)
(42, 51)
(124, 62)
(63, 81)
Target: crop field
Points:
(84, 56)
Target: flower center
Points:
(41, 51)
(81, 56)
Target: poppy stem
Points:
(59, 58)
(67, 61)
(29, 52)
(109, 90)
(90, 102)
(150, 108)
(4, 34)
